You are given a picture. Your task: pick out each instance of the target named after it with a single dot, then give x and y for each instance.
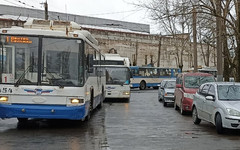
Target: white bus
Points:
(117, 76)
(46, 72)
(146, 77)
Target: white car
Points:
(166, 91)
(219, 104)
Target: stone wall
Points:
(144, 49)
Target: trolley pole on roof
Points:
(46, 9)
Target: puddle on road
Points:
(55, 134)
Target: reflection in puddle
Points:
(57, 134)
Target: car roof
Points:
(225, 83)
(196, 74)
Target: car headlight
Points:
(3, 98)
(126, 93)
(233, 112)
(188, 95)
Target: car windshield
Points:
(170, 84)
(196, 81)
(228, 92)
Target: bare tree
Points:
(174, 18)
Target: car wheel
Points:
(142, 85)
(218, 123)
(181, 109)
(195, 118)
(159, 99)
(164, 103)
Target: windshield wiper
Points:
(54, 78)
(22, 76)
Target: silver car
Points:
(219, 104)
(166, 91)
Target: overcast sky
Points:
(122, 10)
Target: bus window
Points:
(166, 72)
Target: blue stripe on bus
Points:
(42, 111)
(154, 77)
(136, 85)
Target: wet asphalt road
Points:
(141, 124)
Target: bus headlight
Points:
(126, 93)
(3, 98)
(76, 101)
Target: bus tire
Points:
(22, 120)
(142, 85)
(88, 117)
(100, 105)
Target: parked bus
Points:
(46, 72)
(210, 70)
(145, 77)
(117, 76)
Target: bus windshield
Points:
(117, 75)
(60, 60)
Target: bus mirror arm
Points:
(90, 63)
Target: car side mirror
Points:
(178, 86)
(210, 98)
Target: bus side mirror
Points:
(131, 74)
(90, 63)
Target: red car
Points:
(187, 85)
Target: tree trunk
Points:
(238, 42)
(226, 70)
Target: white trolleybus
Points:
(117, 73)
(47, 72)
(146, 77)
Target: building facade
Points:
(156, 50)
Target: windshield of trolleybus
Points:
(117, 75)
(61, 62)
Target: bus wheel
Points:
(142, 85)
(100, 104)
(22, 120)
(88, 117)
